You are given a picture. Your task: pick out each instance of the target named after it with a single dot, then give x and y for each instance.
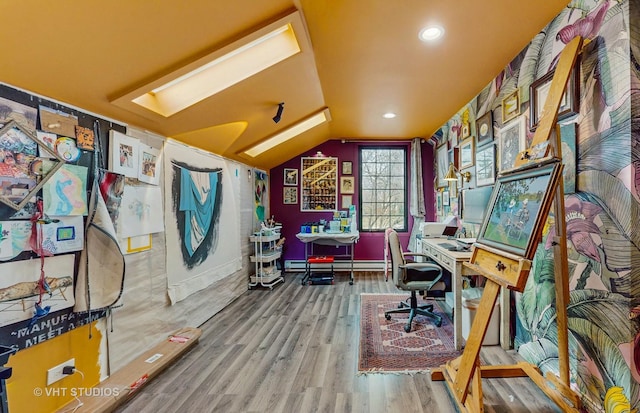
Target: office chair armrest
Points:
(420, 266)
(427, 259)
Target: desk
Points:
(452, 261)
(342, 239)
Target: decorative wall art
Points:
(19, 291)
(150, 164)
(67, 149)
(319, 186)
(202, 220)
(141, 211)
(347, 201)
(484, 128)
(66, 192)
(347, 167)
(22, 172)
(539, 89)
(466, 153)
(290, 194)
(485, 165)
(58, 122)
(510, 106)
(518, 210)
(63, 236)
(85, 139)
(123, 154)
(439, 203)
(347, 185)
(138, 244)
(290, 176)
(47, 139)
(512, 141)
(446, 200)
(23, 115)
(261, 194)
(111, 187)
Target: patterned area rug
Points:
(386, 348)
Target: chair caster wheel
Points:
(400, 305)
(438, 323)
(387, 316)
(350, 282)
(407, 329)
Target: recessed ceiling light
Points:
(389, 115)
(431, 33)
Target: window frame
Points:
(405, 198)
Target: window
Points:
(383, 188)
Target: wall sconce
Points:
(453, 173)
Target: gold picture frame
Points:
(511, 106)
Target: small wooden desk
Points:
(452, 261)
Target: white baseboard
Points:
(338, 265)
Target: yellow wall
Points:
(27, 389)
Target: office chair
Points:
(412, 276)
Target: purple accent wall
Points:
(370, 246)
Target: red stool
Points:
(321, 278)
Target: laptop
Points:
(450, 231)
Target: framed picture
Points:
(466, 153)
(123, 154)
(290, 176)
(465, 130)
(568, 140)
(539, 89)
(150, 164)
(347, 185)
(485, 165)
(439, 203)
(518, 210)
(484, 128)
(290, 195)
(510, 106)
(446, 201)
(347, 201)
(346, 167)
(512, 141)
(22, 172)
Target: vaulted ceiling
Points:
(359, 58)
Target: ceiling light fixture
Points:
(389, 115)
(278, 116)
(219, 70)
(430, 33)
(291, 132)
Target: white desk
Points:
(452, 261)
(341, 239)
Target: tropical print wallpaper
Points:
(601, 207)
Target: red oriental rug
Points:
(386, 348)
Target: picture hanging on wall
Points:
(346, 167)
(446, 201)
(539, 89)
(150, 165)
(84, 138)
(347, 185)
(290, 176)
(511, 143)
(290, 195)
(510, 106)
(484, 128)
(485, 165)
(22, 172)
(466, 153)
(123, 154)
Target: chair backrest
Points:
(397, 258)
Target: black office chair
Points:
(412, 276)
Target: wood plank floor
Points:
(295, 349)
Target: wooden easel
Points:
(505, 270)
